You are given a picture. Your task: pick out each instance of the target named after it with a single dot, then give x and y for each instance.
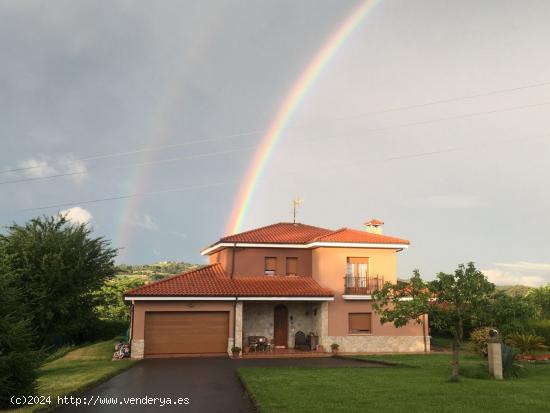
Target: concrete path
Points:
(210, 384)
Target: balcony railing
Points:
(362, 285)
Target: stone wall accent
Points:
(258, 319)
(377, 344)
(238, 326)
(320, 323)
(137, 349)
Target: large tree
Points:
(18, 359)
(57, 266)
(454, 300)
(404, 302)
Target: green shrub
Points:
(18, 360)
(107, 329)
(510, 368)
(542, 328)
(525, 343)
(478, 340)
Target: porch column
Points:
(322, 325)
(239, 324)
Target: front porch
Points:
(286, 328)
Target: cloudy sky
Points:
(432, 116)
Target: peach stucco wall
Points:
(329, 269)
(141, 307)
(250, 261)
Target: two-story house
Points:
(274, 282)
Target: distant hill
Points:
(156, 271)
(514, 290)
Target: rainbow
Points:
(289, 107)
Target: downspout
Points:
(235, 322)
(131, 335)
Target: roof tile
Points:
(212, 281)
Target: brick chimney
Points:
(374, 226)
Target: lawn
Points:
(420, 384)
(78, 370)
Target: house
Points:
(275, 281)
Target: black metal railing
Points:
(362, 285)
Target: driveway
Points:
(210, 384)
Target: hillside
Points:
(514, 290)
(155, 271)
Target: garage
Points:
(172, 333)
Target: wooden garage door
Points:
(173, 333)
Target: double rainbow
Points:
(288, 108)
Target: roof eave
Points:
(387, 245)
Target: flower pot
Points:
(236, 354)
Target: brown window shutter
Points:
(292, 266)
(360, 322)
(270, 265)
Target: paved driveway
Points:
(210, 384)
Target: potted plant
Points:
(335, 347)
(236, 351)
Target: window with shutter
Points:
(360, 323)
(270, 265)
(292, 266)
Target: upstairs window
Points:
(358, 267)
(360, 323)
(292, 266)
(270, 265)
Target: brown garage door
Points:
(173, 333)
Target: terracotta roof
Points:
(289, 233)
(281, 233)
(211, 281)
(356, 236)
(374, 221)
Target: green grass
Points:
(420, 384)
(78, 370)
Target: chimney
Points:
(374, 226)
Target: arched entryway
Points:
(280, 326)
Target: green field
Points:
(78, 370)
(420, 384)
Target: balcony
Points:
(361, 287)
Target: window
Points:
(357, 271)
(360, 323)
(270, 265)
(292, 266)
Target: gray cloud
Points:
(85, 78)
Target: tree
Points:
(459, 297)
(18, 361)
(450, 300)
(111, 305)
(509, 314)
(57, 266)
(401, 303)
(541, 298)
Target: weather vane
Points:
(296, 202)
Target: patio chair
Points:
(253, 343)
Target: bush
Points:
(107, 329)
(509, 366)
(542, 328)
(18, 361)
(525, 343)
(478, 340)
